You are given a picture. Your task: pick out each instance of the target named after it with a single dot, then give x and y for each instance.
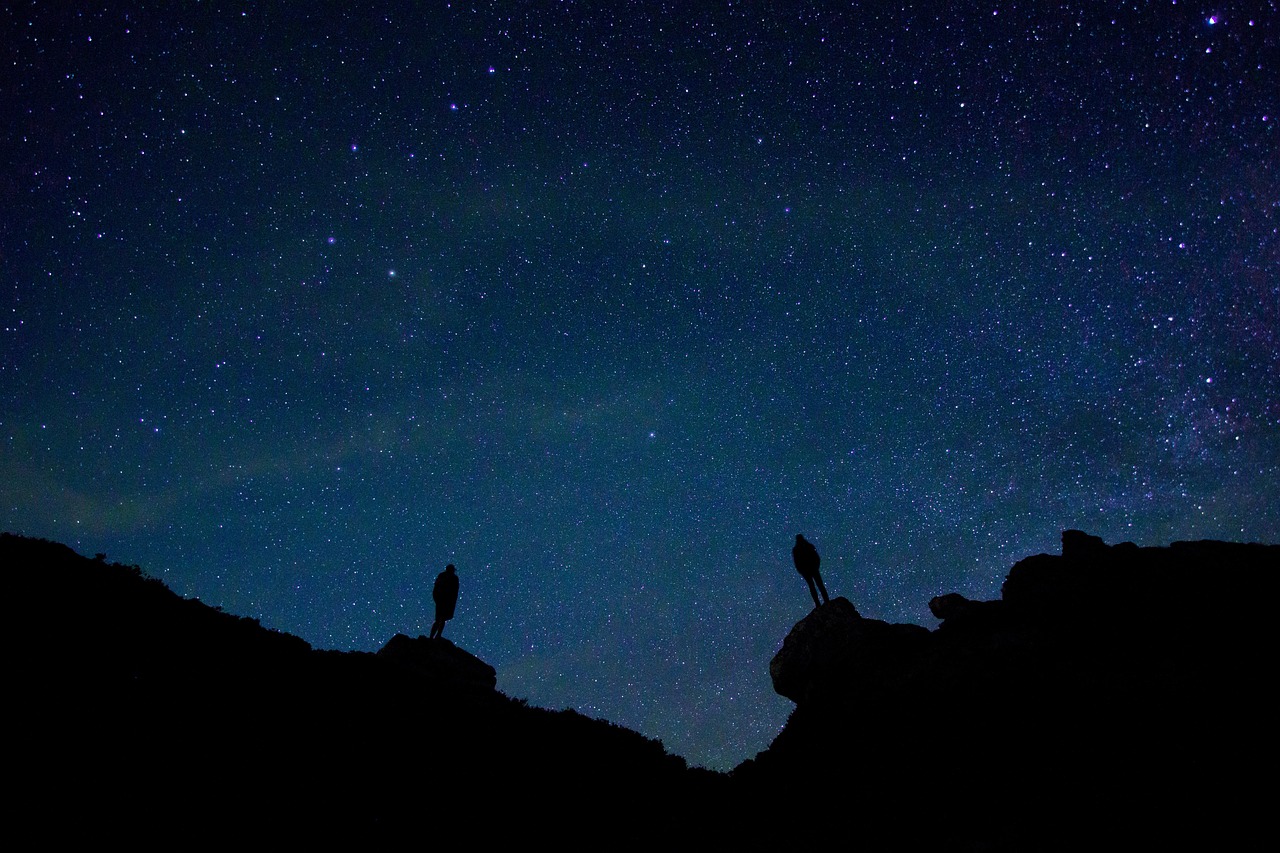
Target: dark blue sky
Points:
(604, 303)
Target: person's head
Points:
(450, 569)
(799, 537)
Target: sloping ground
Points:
(1112, 695)
(142, 715)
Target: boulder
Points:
(440, 660)
(812, 647)
(834, 645)
(949, 606)
(1078, 545)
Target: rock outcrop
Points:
(440, 661)
(1094, 599)
(833, 643)
(1111, 689)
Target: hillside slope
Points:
(142, 712)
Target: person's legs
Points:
(813, 591)
(825, 598)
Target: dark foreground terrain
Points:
(1113, 696)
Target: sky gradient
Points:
(604, 303)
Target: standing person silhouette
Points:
(445, 593)
(806, 559)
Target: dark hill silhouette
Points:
(145, 715)
(1113, 696)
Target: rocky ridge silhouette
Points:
(1113, 694)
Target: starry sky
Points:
(605, 302)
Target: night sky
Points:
(605, 302)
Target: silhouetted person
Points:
(806, 559)
(445, 593)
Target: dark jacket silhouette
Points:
(445, 593)
(807, 560)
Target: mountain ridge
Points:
(1109, 692)
(142, 702)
